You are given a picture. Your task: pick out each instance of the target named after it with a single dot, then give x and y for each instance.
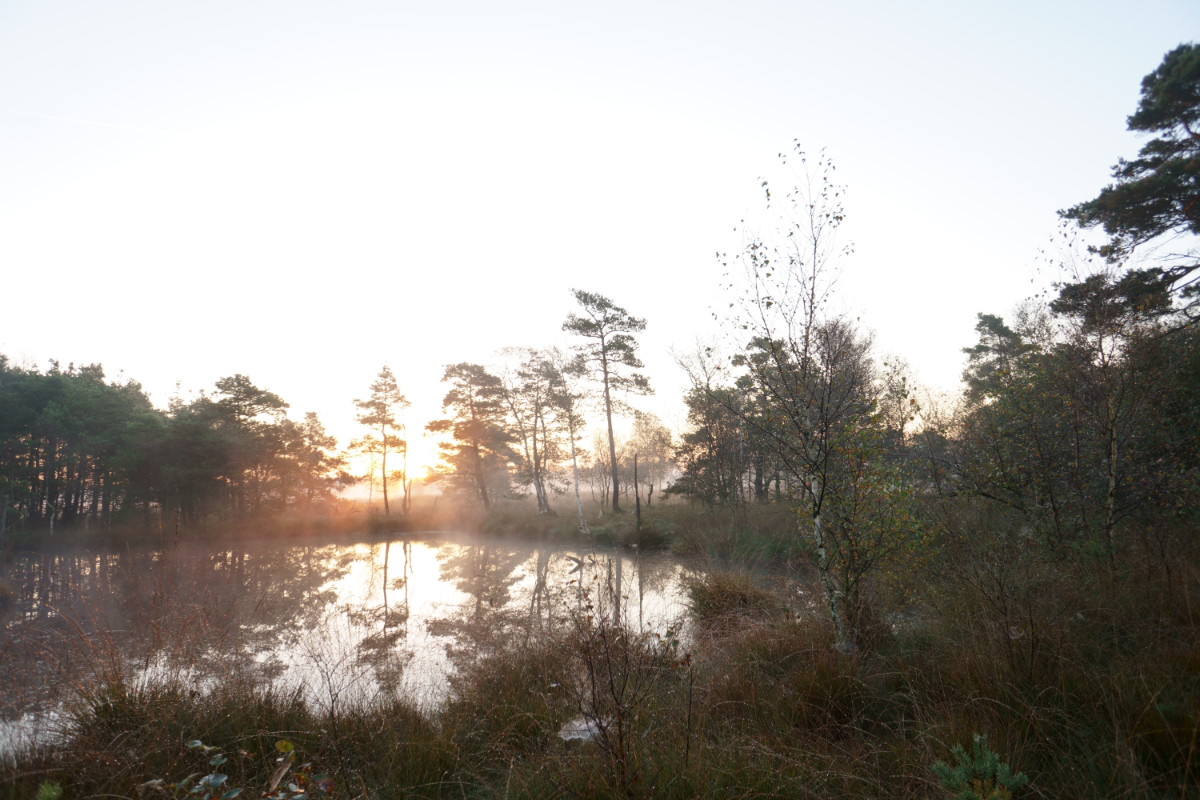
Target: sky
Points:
(302, 191)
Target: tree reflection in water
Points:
(392, 616)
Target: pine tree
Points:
(609, 346)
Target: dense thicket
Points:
(1078, 429)
(77, 448)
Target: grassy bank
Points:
(1084, 677)
(742, 534)
(745, 534)
(342, 518)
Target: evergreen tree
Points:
(378, 412)
(1156, 196)
(76, 449)
(608, 348)
(478, 451)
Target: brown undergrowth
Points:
(1083, 676)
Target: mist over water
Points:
(327, 619)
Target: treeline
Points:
(1074, 417)
(1080, 417)
(76, 449)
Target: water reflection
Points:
(326, 618)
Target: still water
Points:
(323, 617)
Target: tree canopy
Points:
(608, 346)
(475, 458)
(1156, 196)
(378, 414)
(78, 448)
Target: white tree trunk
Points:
(575, 473)
(832, 594)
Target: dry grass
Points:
(1084, 677)
(719, 599)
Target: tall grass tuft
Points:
(731, 596)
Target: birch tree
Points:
(567, 398)
(527, 391)
(1100, 330)
(653, 443)
(366, 447)
(812, 366)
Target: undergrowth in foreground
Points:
(1085, 681)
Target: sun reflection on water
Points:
(351, 621)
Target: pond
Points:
(323, 617)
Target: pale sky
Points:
(300, 191)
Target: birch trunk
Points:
(575, 475)
(530, 458)
(828, 582)
(540, 417)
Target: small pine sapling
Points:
(980, 775)
(49, 790)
